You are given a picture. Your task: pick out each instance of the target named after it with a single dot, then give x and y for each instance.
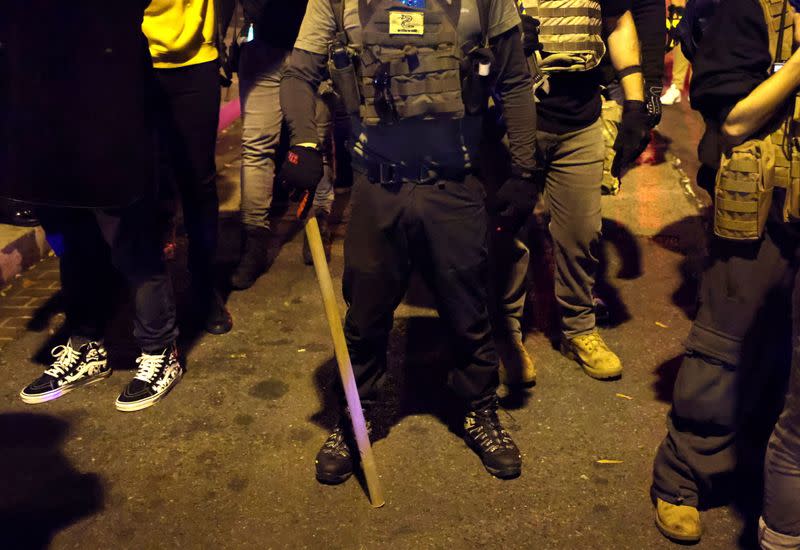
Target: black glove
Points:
(302, 169)
(654, 105)
(515, 201)
(633, 137)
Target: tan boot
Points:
(516, 366)
(679, 523)
(593, 355)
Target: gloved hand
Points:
(514, 202)
(633, 137)
(302, 169)
(654, 105)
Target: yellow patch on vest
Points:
(406, 22)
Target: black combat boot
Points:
(254, 260)
(493, 444)
(210, 311)
(325, 233)
(335, 459)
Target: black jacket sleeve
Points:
(732, 59)
(514, 88)
(298, 94)
(651, 26)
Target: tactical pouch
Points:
(345, 81)
(791, 205)
(475, 80)
(611, 116)
(743, 190)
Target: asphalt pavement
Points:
(227, 460)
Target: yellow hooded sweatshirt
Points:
(180, 32)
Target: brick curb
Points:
(20, 248)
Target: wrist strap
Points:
(629, 71)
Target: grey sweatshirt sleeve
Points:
(298, 94)
(514, 88)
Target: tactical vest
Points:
(570, 32)
(409, 63)
(749, 172)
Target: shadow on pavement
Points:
(666, 373)
(42, 492)
(688, 238)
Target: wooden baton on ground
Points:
(343, 360)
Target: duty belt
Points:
(387, 173)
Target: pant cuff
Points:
(677, 500)
(769, 539)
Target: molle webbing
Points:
(570, 34)
(775, 13)
(417, 76)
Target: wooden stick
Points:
(343, 360)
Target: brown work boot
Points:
(516, 366)
(678, 523)
(593, 355)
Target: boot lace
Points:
(149, 366)
(66, 357)
(485, 429)
(336, 444)
(592, 342)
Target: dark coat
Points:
(75, 127)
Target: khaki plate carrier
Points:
(749, 172)
(570, 32)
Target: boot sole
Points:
(60, 392)
(688, 539)
(510, 473)
(502, 473)
(332, 479)
(592, 373)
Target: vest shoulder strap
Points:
(338, 13)
(484, 13)
(777, 20)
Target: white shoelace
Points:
(66, 356)
(149, 366)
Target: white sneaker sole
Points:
(58, 392)
(150, 401)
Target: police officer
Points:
(570, 146)
(414, 75)
(753, 255)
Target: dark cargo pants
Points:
(700, 448)
(441, 229)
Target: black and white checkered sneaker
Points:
(157, 375)
(72, 368)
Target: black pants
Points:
(127, 239)
(188, 114)
(742, 279)
(441, 229)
